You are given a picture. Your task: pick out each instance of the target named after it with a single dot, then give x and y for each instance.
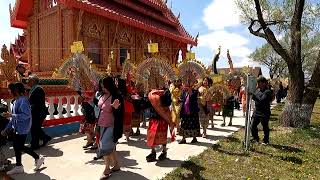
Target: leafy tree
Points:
(266, 56)
(296, 19)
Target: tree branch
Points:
(269, 35)
(312, 89)
(257, 32)
(296, 30)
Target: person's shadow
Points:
(127, 175)
(26, 176)
(50, 151)
(122, 158)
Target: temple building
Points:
(112, 31)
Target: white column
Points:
(68, 108)
(51, 108)
(60, 107)
(76, 105)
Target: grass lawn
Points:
(292, 154)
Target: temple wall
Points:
(53, 29)
(114, 36)
(48, 42)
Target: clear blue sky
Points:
(217, 21)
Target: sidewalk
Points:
(66, 160)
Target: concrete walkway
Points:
(66, 160)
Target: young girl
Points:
(203, 105)
(111, 125)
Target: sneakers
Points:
(16, 170)
(38, 163)
(265, 143)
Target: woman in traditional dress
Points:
(189, 114)
(126, 92)
(111, 125)
(137, 115)
(176, 92)
(203, 105)
(228, 105)
(243, 98)
(160, 118)
(87, 108)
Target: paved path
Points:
(66, 160)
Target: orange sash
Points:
(164, 112)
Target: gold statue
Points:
(8, 66)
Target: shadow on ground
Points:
(291, 159)
(195, 171)
(123, 160)
(26, 176)
(127, 175)
(169, 163)
(217, 147)
(286, 148)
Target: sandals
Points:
(162, 156)
(94, 147)
(105, 176)
(183, 141)
(115, 170)
(194, 140)
(88, 145)
(97, 158)
(151, 157)
(137, 133)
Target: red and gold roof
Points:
(150, 15)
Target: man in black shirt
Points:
(262, 98)
(38, 111)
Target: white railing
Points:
(72, 109)
(71, 105)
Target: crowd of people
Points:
(118, 105)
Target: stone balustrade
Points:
(62, 103)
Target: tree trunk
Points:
(295, 113)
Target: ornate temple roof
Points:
(150, 15)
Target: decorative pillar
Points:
(51, 108)
(60, 107)
(68, 106)
(76, 105)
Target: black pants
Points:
(37, 133)
(265, 124)
(19, 147)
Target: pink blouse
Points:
(106, 118)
